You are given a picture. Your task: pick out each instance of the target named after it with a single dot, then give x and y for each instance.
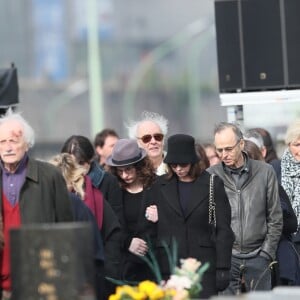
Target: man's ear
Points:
(242, 144)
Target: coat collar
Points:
(32, 170)
(198, 194)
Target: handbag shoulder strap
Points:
(212, 205)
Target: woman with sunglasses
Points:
(182, 201)
(135, 174)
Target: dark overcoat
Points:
(133, 267)
(191, 229)
(44, 196)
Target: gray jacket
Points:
(256, 215)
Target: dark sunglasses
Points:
(174, 166)
(148, 137)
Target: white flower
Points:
(190, 264)
(179, 282)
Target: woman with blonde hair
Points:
(71, 171)
(104, 219)
(290, 171)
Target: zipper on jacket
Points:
(241, 215)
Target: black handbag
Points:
(212, 221)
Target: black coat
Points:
(192, 230)
(286, 255)
(44, 196)
(133, 267)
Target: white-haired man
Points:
(31, 191)
(150, 131)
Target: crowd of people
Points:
(231, 202)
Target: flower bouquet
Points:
(184, 283)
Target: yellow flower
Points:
(134, 293)
(127, 291)
(114, 297)
(147, 286)
(170, 293)
(157, 294)
(151, 289)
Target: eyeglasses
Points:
(227, 149)
(174, 166)
(126, 170)
(148, 137)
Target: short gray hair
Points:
(293, 132)
(28, 132)
(224, 125)
(160, 120)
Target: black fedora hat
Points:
(181, 150)
(125, 152)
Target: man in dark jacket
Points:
(31, 191)
(252, 190)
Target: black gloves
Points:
(222, 279)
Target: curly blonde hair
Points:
(72, 172)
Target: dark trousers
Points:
(249, 274)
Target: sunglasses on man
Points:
(148, 137)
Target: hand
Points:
(222, 279)
(138, 247)
(151, 213)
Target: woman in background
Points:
(72, 173)
(83, 151)
(288, 271)
(290, 172)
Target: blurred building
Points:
(47, 40)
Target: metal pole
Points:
(196, 28)
(94, 68)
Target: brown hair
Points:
(144, 171)
(203, 162)
(252, 150)
(268, 143)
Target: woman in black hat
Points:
(135, 174)
(182, 199)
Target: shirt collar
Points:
(243, 169)
(21, 165)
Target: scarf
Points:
(93, 198)
(290, 180)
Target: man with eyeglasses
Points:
(150, 132)
(252, 190)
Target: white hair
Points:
(160, 120)
(28, 132)
(293, 132)
(255, 137)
